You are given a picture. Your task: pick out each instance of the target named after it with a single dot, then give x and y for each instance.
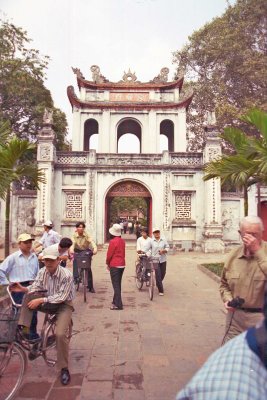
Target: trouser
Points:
(160, 273)
(18, 297)
(75, 272)
(63, 313)
(116, 277)
(239, 321)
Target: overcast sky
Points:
(114, 34)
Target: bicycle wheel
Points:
(49, 348)
(151, 284)
(13, 364)
(85, 282)
(138, 276)
(77, 281)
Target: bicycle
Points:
(83, 260)
(13, 348)
(145, 273)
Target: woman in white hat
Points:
(115, 261)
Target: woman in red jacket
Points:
(116, 263)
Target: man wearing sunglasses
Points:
(244, 276)
(21, 266)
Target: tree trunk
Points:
(246, 200)
(7, 223)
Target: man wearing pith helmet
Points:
(49, 236)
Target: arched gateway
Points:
(81, 183)
(130, 189)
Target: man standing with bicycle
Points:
(82, 241)
(159, 248)
(58, 283)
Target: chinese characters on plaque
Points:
(129, 96)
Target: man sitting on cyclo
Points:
(143, 245)
(57, 283)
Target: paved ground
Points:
(149, 350)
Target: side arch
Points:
(167, 129)
(90, 129)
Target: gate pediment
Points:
(128, 189)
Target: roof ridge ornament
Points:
(78, 73)
(162, 77)
(129, 78)
(97, 77)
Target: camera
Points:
(237, 302)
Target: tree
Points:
(23, 94)
(225, 62)
(15, 166)
(248, 163)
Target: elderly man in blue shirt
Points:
(21, 266)
(159, 248)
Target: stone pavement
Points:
(149, 350)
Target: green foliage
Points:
(216, 268)
(226, 64)
(23, 94)
(248, 163)
(120, 204)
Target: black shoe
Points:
(65, 376)
(91, 290)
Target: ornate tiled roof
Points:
(129, 80)
(184, 101)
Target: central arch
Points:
(132, 189)
(129, 126)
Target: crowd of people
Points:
(243, 291)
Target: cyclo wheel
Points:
(13, 364)
(49, 348)
(138, 276)
(85, 281)
(151, 284)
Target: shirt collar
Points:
(56, 274)
(21, 254)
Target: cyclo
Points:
(83, 261)
(14, 345)
(145, 272)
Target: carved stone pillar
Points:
(213, 230)
(46, 154)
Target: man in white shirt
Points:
(143, 243)
(49, 236)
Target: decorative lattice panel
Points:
(72, 160)
(183, 205)
(74, 205)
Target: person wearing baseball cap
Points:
(21, 266)
(49, 236)
(57, 282)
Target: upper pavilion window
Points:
(90, 135)
(167, 131)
